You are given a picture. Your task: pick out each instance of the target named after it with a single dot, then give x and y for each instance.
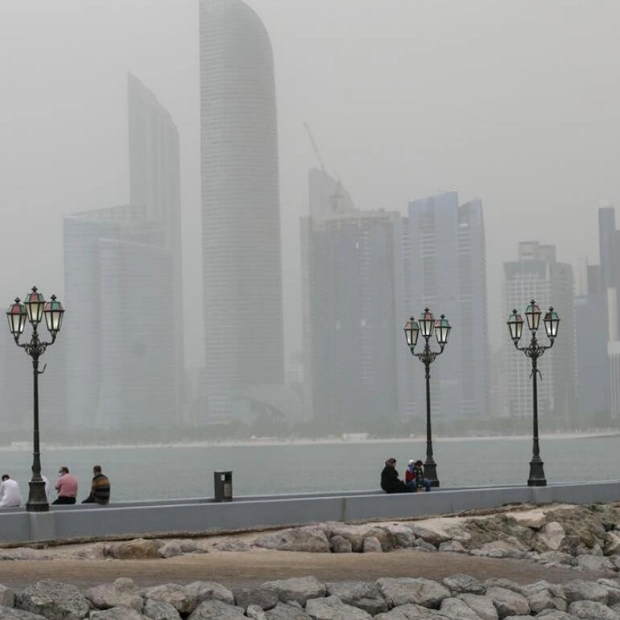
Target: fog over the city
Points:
(515, 103)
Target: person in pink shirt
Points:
(67, 487)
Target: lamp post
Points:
(534, 350)
(427, 326)
(34, 309)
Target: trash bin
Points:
(222, 481)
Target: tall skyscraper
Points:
(538, 275)
(447, 272)
(123, 293)
(240, 206)
(352, 286)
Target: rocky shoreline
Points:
(585, 539)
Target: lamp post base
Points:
(537, 474)
(430, 472)
(37, 499)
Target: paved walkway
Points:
(251, 568)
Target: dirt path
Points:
(251, 568)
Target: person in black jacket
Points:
(390, 482)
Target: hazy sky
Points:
(514, 102)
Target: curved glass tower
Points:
(240, 206)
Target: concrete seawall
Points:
(206, 515)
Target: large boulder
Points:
(158, 610)
(287, 612)
(543, 595)
(137, 549)
(309, 539)
(54, 601)
(264, 598)
(355, 534)
(297, 589)
(439, 530)
(10, 613)
(332, 608)
(590, 610)
(216, 610)
(122, 593)
(456, 609)
(7, 596)
(551, 536)
(596, 563)
(117, 613)
(482, 605)
(461, 584)
(372, 545)
(580, 590)
(508, 603)
(360, 594)
(410, 612)
(209, 590)
(181, 598)
(340, 544)
(418, 591)
(534, 519)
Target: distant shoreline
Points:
(266, 442)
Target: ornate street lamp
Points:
(34, 309)
(441, 328)
(534, 350)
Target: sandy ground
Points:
(251, 568)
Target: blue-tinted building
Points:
(447, 272)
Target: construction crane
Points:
(337, 193)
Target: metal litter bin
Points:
(222, 482)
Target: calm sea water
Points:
(139, 473)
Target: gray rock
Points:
(590, 610)
(298, 589)
(216, 610)
(209, 590)
(231, 544)
(456, 609)
(554, 614)
(557, 557)
(286, 612)
(117, 613)
(502, 582)
(360, 594)
(9, 613)
(461, 584)
(340, 544)
(580, 590)
(452, 546)
(24, 553)
(432, 536)
(422, 545)
(615, 560)
(255, 612)
(613, 591)
(596, 563)
(138, 549)
(122, 593)
(7, 597)
(411, 612)
(308, 539)
(402, 534)
(543, 595)
(181, 598)
(611, 543)
(97, 551)
(332, 608)
(508, 603)
(355, 534)
(158, 610)
(372, 545)
(419, 591)
(170, 549)
(482, 605)
(264, 598)
(499, 549)
(54, 601)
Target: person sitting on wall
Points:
(67, 486)
(390, 482)
(10, 495)
(414, 476)
(99, 488)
